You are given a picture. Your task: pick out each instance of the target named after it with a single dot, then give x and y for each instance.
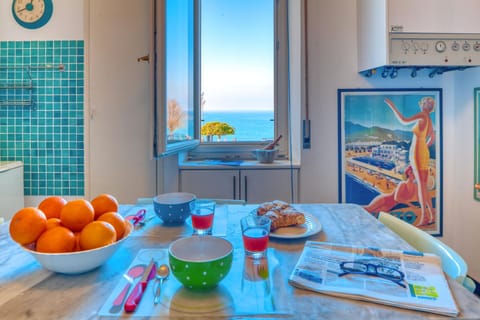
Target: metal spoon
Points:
(162, 273)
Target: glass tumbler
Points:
(202, 217)
(255, 233)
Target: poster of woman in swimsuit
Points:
(390, 153)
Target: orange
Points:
(128, 227)
(52, 206)
(76, 214)
(116, 220)
(56, 240)
(97, 234)
(77, 242)
(27, 225)
(53, 222)
(104, 203)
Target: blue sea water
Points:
(249, 125)
(357, 191)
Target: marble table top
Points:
(30, 292)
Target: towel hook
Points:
(144, 59)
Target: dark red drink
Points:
(202, 221)
(255, 239)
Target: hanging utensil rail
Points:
(59, 67)
(22, 89)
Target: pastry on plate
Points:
(281, 214)
(272, 206)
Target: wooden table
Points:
(30, 292)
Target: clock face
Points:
(32, 14)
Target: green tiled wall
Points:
(42, 114)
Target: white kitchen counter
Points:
(8, 165)
(11, 188)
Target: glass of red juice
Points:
(202, 217)
(255, 233)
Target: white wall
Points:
(120, 111)
(463, 220)
(66, 23)
(117, 108)
(332, 65)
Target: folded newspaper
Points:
(411, 280)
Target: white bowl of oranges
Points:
(71, 236)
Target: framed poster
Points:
(476, 141)
(390, 153)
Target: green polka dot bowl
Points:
(200, 262)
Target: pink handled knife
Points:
(136, 295)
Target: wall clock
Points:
(32, 14)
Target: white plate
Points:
(310, 227)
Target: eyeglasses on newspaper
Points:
(392, 274)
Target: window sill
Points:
(234, 164)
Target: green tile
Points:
(50, 139)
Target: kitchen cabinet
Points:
(251, 185)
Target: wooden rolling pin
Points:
(272, 144)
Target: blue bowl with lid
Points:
(175, 207)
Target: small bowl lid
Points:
(174, 198)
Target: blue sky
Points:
(370, 110)
(237, 54)
(179, 51)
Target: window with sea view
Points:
(225, 77)
(237, 70)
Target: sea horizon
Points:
(250, 125)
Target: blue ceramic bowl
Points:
(200, 262)
(175, 207)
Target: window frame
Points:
(219, 150)
(158, 79)
(242, 150)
